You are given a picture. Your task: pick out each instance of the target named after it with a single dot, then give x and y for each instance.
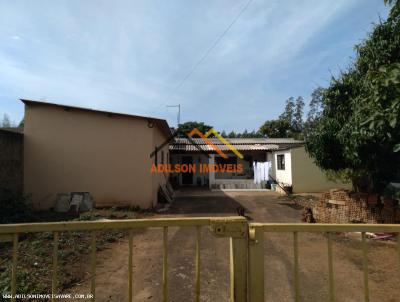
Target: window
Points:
(162, 157)
(281, 161)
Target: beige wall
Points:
(159, 178)
(77, 150)
(307, 176)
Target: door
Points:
(187, 178)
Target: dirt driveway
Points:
(261, 207)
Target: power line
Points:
(208, 51)
(205, 55)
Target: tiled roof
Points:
(240, 141)
(207, 148)
(241, 144)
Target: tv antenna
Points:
(179, 112)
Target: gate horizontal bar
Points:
(111, 224)
(320, 227)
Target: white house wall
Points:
(282, 176)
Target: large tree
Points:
(6, 122)
(297, 122)
(276, 128)
(289, 111)
(316, 107)
(358, 131)
(290, 122)
(185, 128)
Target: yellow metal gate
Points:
(246, 249)
(256, 252)
(233, 227)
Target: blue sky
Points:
(129, 56)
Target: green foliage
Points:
(189, 126)
(288, 113)
(316, 107)
(232, 134)
(244, 134)
(392, 191)
(359, 128)
(297, 121)
(290, 122)
(276, 128)
(6, 122)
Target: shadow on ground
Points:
(206, 202)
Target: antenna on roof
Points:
(179, 113)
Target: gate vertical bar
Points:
(398, 248)
(55, 266)
(296, 266)
(238, 269)
(14, 268)
(165, 264)
(93, 265)
(256, 264)
(198, 232)
(365, 266)
(130, 268)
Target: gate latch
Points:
(236, 228)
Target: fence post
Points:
(236, 229)
(256, 264)
(238, 263)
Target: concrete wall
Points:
(307, 176)
(76, 150)
(11, 162)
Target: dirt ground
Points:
(260, 207)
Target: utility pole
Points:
(179, 112)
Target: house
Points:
(72, 149)
(112, 155)
(292, 166)
(289, 164)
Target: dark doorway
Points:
(187, 178)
